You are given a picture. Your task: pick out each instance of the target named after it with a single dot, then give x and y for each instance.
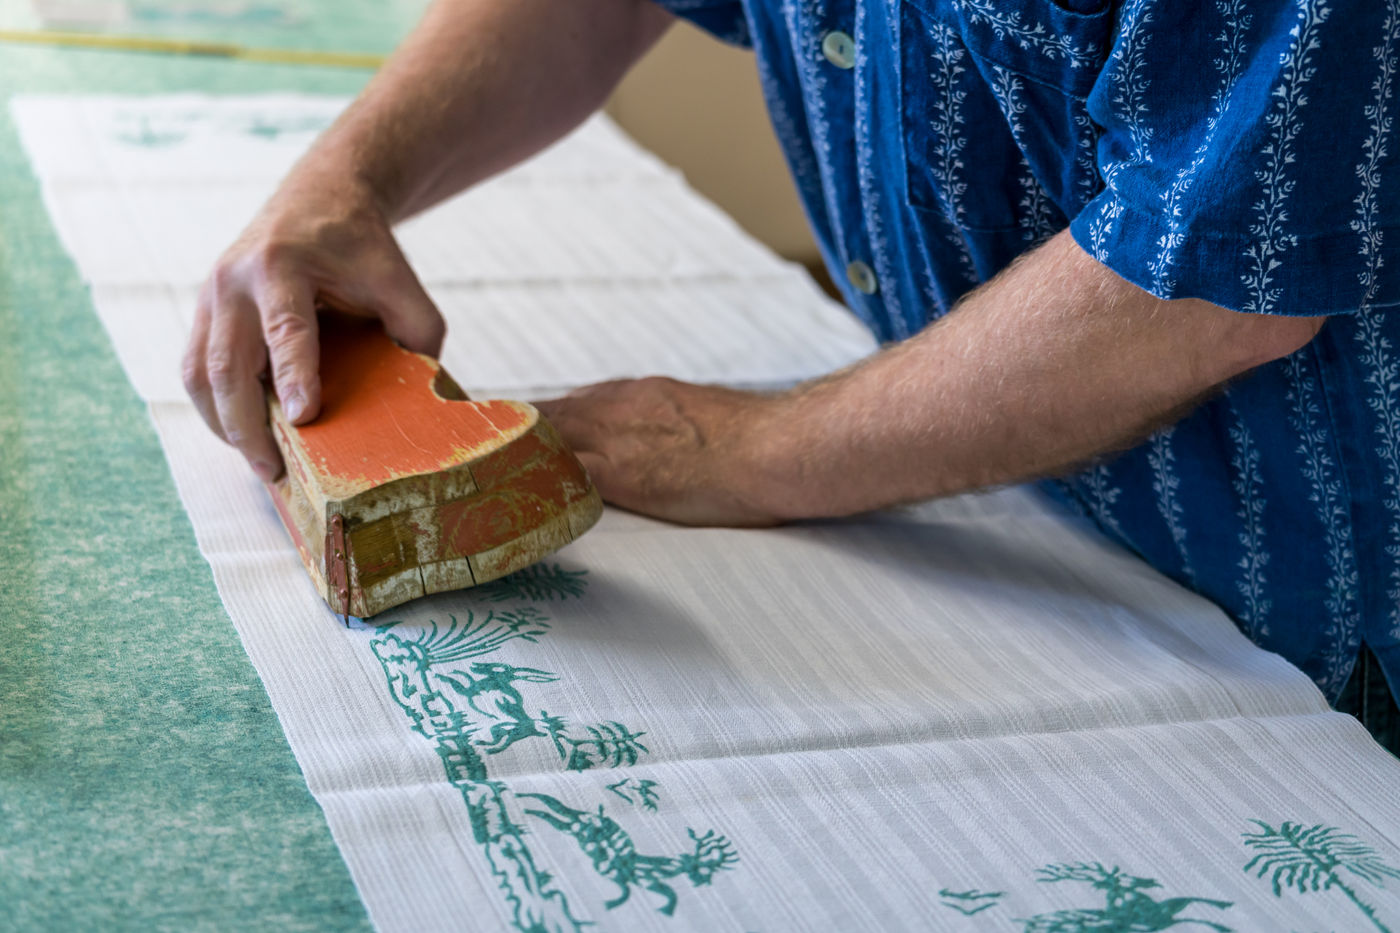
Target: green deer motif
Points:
(472, 709)
(1127, 908)
(1310, 859)
(440, 693)
(614, 855)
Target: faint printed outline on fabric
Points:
(166, 129)
(471, 709)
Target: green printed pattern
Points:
(646, 795)
(1309, 859)
(1291, 856)
(970, 903)
(1127, 905)
(540, 583)
(472, 709)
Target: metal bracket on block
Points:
(338, 564)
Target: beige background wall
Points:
(696, 103)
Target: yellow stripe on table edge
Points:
(121, 43)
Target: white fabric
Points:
(904, 721)
(589, 241)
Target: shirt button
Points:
(862, 277)
(839, 49)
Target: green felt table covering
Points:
(144, 780)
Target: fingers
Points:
(409, 315)
(598, 389)
(604, 477)
(193, 371)
(598, 435)
(585, 435)
(669, 449)
(586, 403)
(551, 408)
(257, 313)
(234, 359)
(288, 312)
(577, 424)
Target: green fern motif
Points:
(458, 641)
(539, 583)
(1311, 859)
(608, 744)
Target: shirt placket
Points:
(837, 41)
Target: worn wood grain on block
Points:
(403, 487)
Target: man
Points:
(1144, 213)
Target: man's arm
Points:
(478, 86)
(1053, 362)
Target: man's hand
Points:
(687, 453)
(478, 86)
(319, 242)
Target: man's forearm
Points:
(1055, 361)
(478, 86)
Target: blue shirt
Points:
(1238, 151)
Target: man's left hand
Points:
(687, 453)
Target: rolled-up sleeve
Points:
(1246, 154)
(724, 19)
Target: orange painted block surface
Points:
(401, 481)
(382, 418)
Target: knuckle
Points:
(238, 271)
(285, 328)
(274, 252)
(222, 283)
(223, 369)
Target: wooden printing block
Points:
(403, 487)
